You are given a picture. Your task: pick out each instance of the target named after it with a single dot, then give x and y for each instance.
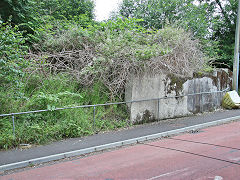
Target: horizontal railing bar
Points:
(107, 104)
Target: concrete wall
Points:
(167, 85)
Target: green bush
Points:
(12, 51)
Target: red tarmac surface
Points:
(170, 159)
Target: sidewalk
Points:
(211, 154)
(13, 156)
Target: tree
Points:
(213, 22)
(18, 10)
(224, 29)
(66, 9)
(156, 14)
(31, 16)
(23, 10)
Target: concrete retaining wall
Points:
(167, 85)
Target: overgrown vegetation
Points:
(113, 51)
(51, 92)
(56, 55)
(29, 83)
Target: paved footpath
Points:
(211, 153)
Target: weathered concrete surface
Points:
(167, 85)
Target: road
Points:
(212, 153)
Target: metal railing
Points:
(107, 104)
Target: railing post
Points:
(158, 109)
(94, 109)
(131, 113)
(13, 125)
(201, 102)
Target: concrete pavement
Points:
(212, 153)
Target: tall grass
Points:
(48, 93)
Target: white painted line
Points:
(168, 174)
(112, 145)
(218, 178)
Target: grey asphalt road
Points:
(17, 155)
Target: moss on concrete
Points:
(147, 117)
(176, 84)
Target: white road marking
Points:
(167, 174)
(218, 178)
(235, 159)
